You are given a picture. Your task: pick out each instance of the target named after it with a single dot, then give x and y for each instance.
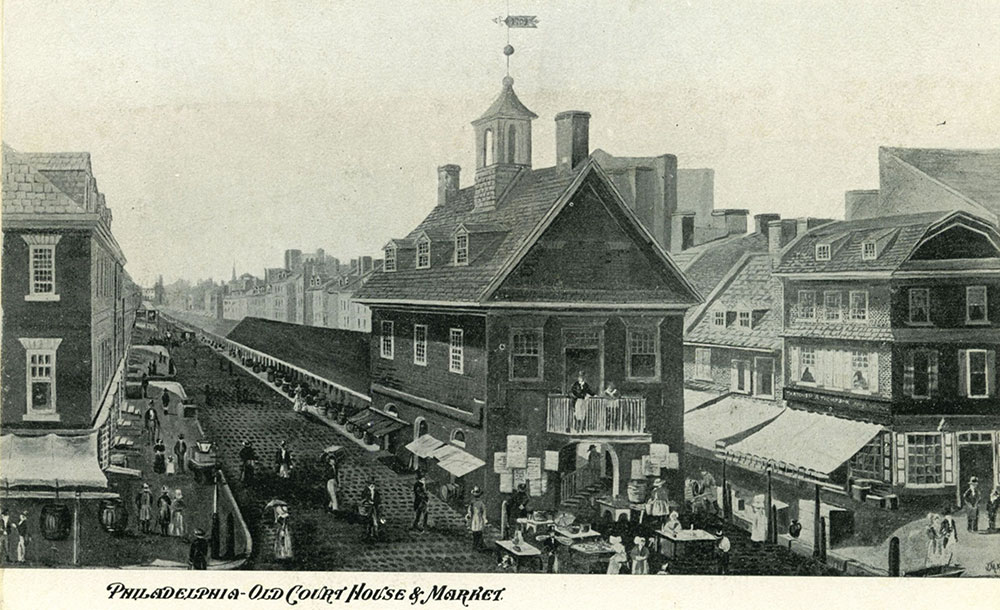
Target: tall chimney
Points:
(448, 183)
(761, 221)
(572, 139)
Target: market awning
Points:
(423, 446)
(170, 386)
(378, 424)
(50, 461)
(804, 443)
(732, 416)
(460, 463)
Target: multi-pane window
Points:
(719, 318)
(920, 305)
(456, 351)
(977, 373)
(390, 259)
(642, 353)
(42, 380)
(388, 344)
(43, 269)
(703, 363)
(924, 459)
(859, 306)
(807, 304)
(822, 252)
(420, 344)
(859, 370)
(462, 249)
(831, 306)
(423, 253)
(808, 365)
(921, 374)
(868, 463)
(868, 251)
(744, 319)
(975, 304)
(526, 354)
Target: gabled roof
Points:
(906, 231)
(972, 174)
(60, 161)
(27, 191)
(705, 265)
(507, 105)
(530, 203)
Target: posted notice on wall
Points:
(517, 451)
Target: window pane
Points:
(977, 373)
(525, 367)
(921, 374)
(642, 352)
(643, 365)
(41, 395)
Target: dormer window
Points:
(744, 319)
(822, 252)
(423, 253)
(462, 249)
(868, 251)
(390, 258)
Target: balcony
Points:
(618, 417)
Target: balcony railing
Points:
(625, 416)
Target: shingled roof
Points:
(531, 198)
(972, 174)
(705, 265)
(895, 238)
(27, 191)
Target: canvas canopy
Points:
(50, 461)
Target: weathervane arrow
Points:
(518, 21)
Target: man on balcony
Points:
(580, 391)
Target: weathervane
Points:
(514, 21)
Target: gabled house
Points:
(488, 311)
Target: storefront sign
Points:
(821, 402)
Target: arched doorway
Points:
(582, 464)
(392, 410)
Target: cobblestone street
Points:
(321, 540)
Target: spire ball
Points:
(508, 50)
(508, 82)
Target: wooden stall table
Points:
(616, 508)
(523, 552)
(674, 544)
(529, 525)
(572, 537)
(593, 554)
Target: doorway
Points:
(587, 360)
(975, 459)
(740, 376)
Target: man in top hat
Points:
(971, 500)
(722, 552)
(476, 517)
(180, 450)
(420, 498)
(371, 507)
(198, 554)
(283, 461)
(248, 456)
(144, 502)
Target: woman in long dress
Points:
(758, 531)
(159, 457)
(282, 534)
(658, 506)
(333, 483)
(673, 524)
(619, 558)
(640, 556)
(177, 515)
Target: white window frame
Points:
(629, 332)
(420, 345)
(813, 355)
(456, 351)
(703, 370)
(387, 342)
(838, 309)
(812, 295)
(744, 316)
(462, 251)
(851, 317)
(968, 373)
(869, 251)
(909, 476)
(389, 264)
(913, 292)
(719, 319)
(822, 252)
(38, 242)
(423, 250)
(41, 347)
(539, 336)
(968, 301)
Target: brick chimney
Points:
(761, 222)
(572, 139)
(448, 183)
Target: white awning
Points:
(423, 446)
(51, 461)
(460, 463)
(171, 386)
(444, 452)
(704, 427)
(805, 443)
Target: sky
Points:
(224, 132)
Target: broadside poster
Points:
(534, 468)
(658, 454)
(517, 451)
(500, 462)
(552, 460)
(506, 482)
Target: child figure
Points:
(171, 467)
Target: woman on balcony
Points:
(580, 391)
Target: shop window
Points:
(868, 463)
(924, 459)
(808, 365)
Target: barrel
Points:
(55, 521)
(113, 516)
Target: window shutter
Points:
(908, 375)
(963, 373)
(991, 373)
(873, 372)
(932, 372)
(733, 376)
(793, 363)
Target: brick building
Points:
(486, 311)
(68, 310)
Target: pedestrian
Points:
(163, 511)
(230, 368)
(619, 558)
(475, 515)
(948, 535)
(177, 514)
(664, 569)
(971, 499)
(23, 537)
(198, 554)
(722, 553)
(180, 450)
(332, 483)
(282, 533)
(992, 505)
(159, 457)
(171, 368)
(152, 423)
(283, 461)
(658, 505)
(144, 502)
(931, 530)
(673, 524)
(550, 548)
(171, 466)
(194, 363)
(6, 524)
(517, 506)
(249, 459)
(420, 503)
(371, 509)
(165, 399)
(145, 384)
(640, 556)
